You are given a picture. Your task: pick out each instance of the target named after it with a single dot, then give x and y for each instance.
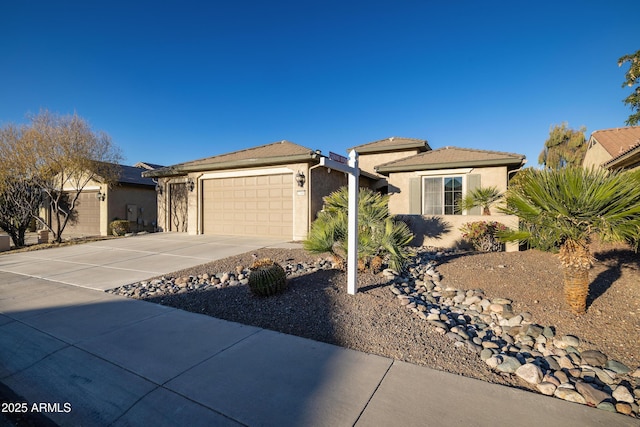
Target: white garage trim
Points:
(252, 172)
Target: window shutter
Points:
(415, 196)
(473, 182)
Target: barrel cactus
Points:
(267, 277)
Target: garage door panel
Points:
(253, 205)
(86, 219)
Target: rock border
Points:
(509, 343)
(512, 344)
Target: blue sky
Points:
(173, 81)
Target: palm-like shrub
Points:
(571, 205)
(485, 197)
(379, 234)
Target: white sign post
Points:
(352, 231)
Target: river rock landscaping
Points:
(498, 317)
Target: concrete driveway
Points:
(112, 263)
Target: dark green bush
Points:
(267, 278)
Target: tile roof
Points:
(126, 174)
(451, 157)
(391, 144)
(133, 175)
(618, 140)
(270, 154)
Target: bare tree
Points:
(19, 197)
(61, 155)
(19, 202)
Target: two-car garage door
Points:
(248, 206)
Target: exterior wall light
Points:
(159, 189)
(300, 179)
(100, 195)
(191, 184)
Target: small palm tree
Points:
(572, 205)
(379, 234)
(484, 197)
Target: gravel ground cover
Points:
(317, 306)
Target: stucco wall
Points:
(162, 200)
(399, 183)
(443, 230)
(367, 162)
(324, 183)
(595, 156)
(120, 197)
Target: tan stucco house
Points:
(617, 148)
(131, 197)
(277, 189)
(423, 185)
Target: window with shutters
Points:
(441, 194)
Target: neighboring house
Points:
(617, 148)
(132, 197)
(271, 190)
(424, 188)
(277, 189)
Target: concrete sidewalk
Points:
(100, 359)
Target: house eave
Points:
(420, 146)
(624, 161)
(385, 170)
(185, 168)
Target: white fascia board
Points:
(243, 173)
(440, 172)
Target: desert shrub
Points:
(483, 197)
(482, 235)
(120, 227)
(267, 277)
(380, 235)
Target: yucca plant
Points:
(572, 205)
(267, 277)
(484, 197)
(379, 234)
